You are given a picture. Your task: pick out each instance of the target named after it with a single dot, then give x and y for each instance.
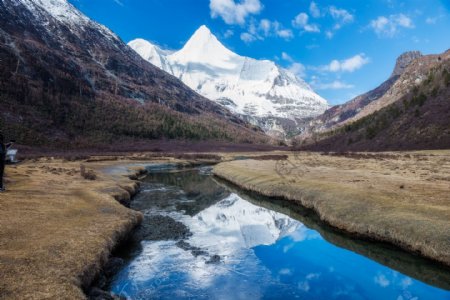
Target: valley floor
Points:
(57, 229)
(401, 197)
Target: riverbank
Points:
(58, 224)
(61, 218)
(401, 198)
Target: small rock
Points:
(215, 259)
(156, 228)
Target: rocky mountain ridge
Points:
(363, 104)
(414, 113)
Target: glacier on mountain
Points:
(259, 90)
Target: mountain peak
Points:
(404, 60)
(203, 31)
(203, 46)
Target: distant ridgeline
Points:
(68, 81)
(411, 110)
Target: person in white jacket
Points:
(3, 150)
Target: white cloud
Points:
(335, 85)
(285, 272)
(298, 69)
(304, 286)
(382, 281)
(118, 2)
(265, 25)
(286, 57)
(301, 21)
(234, 12)
(266, 28)
(285, 34)
(247, 37)
(389, 26)
(347, 65)
(228, 33)
(295, 67)
(329, 34)
(404, 21)
(314, 10)
(341, 15)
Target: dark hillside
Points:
(419, 120)
(66, 81)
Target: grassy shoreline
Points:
(57, 229)
(399, 198)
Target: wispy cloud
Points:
(232, 12)
(347, 65)
(335, 85)
(228, 33)
(389, 26)
(247, 37)
(274, 28)
(266, 28)
(298, 69)
(119, 2)
(382, 281)
(294, 67)
(341, 16)
(301, 21)
(314, 9)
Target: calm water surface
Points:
(246, 247)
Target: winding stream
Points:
(204, 239)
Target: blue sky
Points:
(341, 48)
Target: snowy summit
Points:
(259, 90)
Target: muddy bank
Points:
(402, 200)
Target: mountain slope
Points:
(258, 90)
(414, 114)
(66, 80)
(340, 114)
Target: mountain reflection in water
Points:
(251, 249)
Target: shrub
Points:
(88, 174)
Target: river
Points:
(204, 239)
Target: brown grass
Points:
(57, 228)
(402, 198)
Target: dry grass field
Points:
(59, 222)
(57, 228)
(401, 197)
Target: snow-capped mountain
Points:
(233, 224)
(52, 12)
(259, 90)
(231, 229)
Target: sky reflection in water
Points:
(264, 254)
